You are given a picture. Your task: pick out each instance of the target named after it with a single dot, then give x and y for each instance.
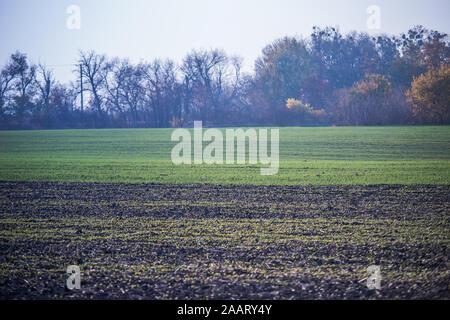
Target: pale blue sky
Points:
(146, 29)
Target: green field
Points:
(345, 198)
(318, 156)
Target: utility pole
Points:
(81, 85)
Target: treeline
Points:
(327, 79)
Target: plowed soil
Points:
(150, 241)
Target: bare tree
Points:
(6, 78)
(92, 70)
(45, 83)
(24, 80)
(113, 79)
(124, 87)
(214, 79)
(162, 91)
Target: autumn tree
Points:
(304, 113)
(349, 79)
(344, 59)
(436, 51)
(430, 95)
(283, 69)
(368, 100)
(418, 50)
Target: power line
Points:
(61, 65)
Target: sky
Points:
(148, 29)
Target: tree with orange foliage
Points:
(368, 100)
(436, 52)
(430, 95)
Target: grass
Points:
(361, 196)
(318, 156)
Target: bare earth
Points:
(149, 241)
